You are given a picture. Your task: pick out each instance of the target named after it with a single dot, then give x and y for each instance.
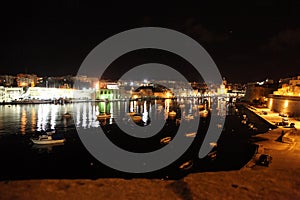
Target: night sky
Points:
(248, 42)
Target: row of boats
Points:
(138, 117)
(51, 137)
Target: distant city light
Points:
(96, 86)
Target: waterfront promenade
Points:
(272, 117)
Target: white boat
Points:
(159, 107)
(189, 117)
(47, 139)
(181, 106)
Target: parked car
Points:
(279, 124)
(283, 114)
(264, 112)
(264, 160)
(292, 125)
(285, 121)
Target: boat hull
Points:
(48, 141)
(103, 116)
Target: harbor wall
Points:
(285, 104)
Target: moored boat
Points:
(136, 118)
(103, 116)
(172, 114)
(203, 113)
(67, 115)
(47, 139)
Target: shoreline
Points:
(71, 101)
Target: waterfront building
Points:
(258, 92)
(85, 82)
(43, 93)
(57, 82)
(8, 81)
(287, 98)
(292, 88)
(8, 94)
(26, 80)
(152, 91)
(107, 90)
(222, 90)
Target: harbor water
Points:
(20, 159)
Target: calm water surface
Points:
(20, 159)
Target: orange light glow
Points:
(286, 104)
(270, 103)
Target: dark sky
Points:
(248, 42)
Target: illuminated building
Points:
(7, 80)
(8, 94)
(258, 91)
(287, 98)
(292, 88)
(152, 91)
(107, 90)
(26, 80)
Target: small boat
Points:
(103, 116)
(136, 118)
(203, 113)
(159, 107)
(165, 140)
(67, 115)
(201, 106)
(187, 165)
(181, 106)
(189, 117)
(47, 139)
(172, 114)
(131, 113)
(191, 135)
(195, 107)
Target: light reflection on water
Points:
(27, 118)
